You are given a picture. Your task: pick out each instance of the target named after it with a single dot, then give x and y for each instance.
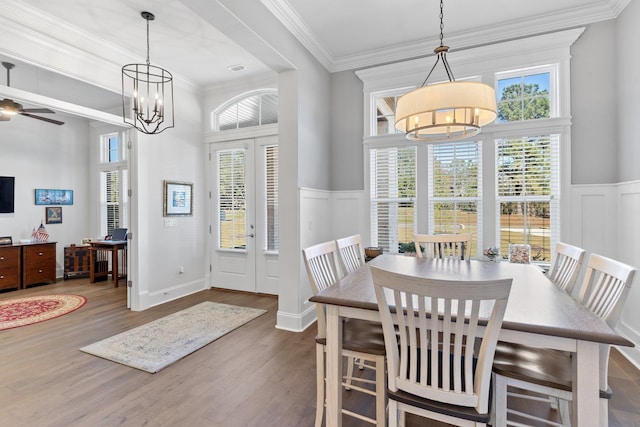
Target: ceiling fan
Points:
(10, 108)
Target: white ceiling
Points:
(341, 34)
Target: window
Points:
(393, 196)
(525, 95)
(455, 189)
(528, 193)
(113, 183)
(385, 114)
(255, 109)
(271, 199)
(232, 199)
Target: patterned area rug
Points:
(28, 310)
(156, 345)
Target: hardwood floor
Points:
(255, 376)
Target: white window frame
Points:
(487, 62)
(552, 69)
(237, 99)
(104, 165)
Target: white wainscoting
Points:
(605, 220)
(324, 215)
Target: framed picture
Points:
(178, 199)
(54, 197)
(54, 214)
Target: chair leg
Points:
(500, 400)
(393, 413)
(563, 408)
(381, 392)
(604, 412)
(320, 384)
(350, 362)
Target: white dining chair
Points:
(351, 253)
(548, 372)
(432, 372)
(362, 340)
(565, 266)
(455, 246)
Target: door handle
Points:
(250, 235)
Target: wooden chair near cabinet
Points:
(351, 253)
(455, 246)
(604, 290)
(362, 339)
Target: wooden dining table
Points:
(538, 314)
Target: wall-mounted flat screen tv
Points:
(7, 189)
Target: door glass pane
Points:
(272, 211)
(231, 199)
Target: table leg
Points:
(114, 266)
(333, 415)
(92, 265)
(586, 385)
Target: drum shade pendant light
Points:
(445, 111)
(147, 94)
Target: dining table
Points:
(538, 314)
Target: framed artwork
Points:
(54, 197)
(178, 199)
(54, 214)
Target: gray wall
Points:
(42, 155)
(627, 76)
(347, 129)
(594, 134)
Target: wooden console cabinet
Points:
(76, 261)
(38, 263)
(9, 267)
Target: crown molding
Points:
(283, 11)
(576, 17)
(65, 49)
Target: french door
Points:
(245, 215)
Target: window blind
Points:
(455, 186)
(271, 199)
(528, 193)
(393, 196)
(231, 199)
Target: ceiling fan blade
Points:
(39, 110)
(44, 119)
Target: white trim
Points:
(295, 322)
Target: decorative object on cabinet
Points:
(178, 200)
(54, 197)
(6, 240)
(54, 214)
(76, 261)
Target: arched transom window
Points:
(256, 108)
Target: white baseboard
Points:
(151, 299)
(296, 322)
(631, 353)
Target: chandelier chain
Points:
(441, 22)
(148, 62)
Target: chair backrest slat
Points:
(605, 287)
(432, 352)
(457, 246)
(321, 264)
(566, 264)
(351, 253)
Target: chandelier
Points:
(147, 94)
(447, 111)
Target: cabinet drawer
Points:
(9, 256)
(10, 279)
(38, 263)
(10, 268)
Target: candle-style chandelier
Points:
(147, 94)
